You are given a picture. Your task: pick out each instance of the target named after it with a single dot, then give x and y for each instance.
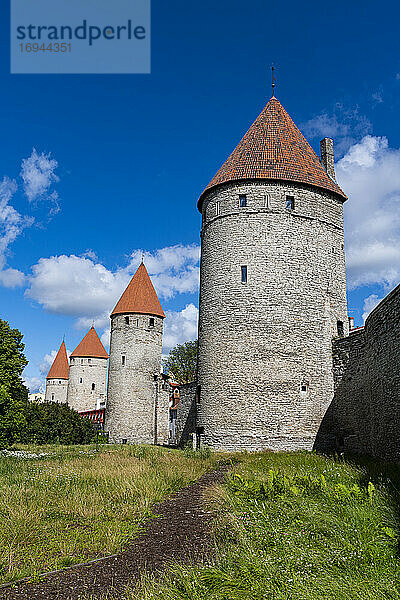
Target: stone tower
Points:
(272, 291)
(88, 374)
(135, 363)
(57, 378)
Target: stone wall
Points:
(186, 414)
(87, 383)
(265, 346)
(56, 390)
(134, 373)
(364, 416)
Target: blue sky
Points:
(134, 152)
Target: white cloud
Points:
(370, 175)
(369, 305)
(180, 327)
(48, 360)
(344, 124)
(38, 175)
(12, 278)
(34, 384)
(81, 287)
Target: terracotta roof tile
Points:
(139, 297)
(90, 346)
(60, 367)
(274, 148)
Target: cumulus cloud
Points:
(370, 174)
(34, 384)
(37, 172)
(81, 286)
(344, 124)
(180, 326)
(369, 305)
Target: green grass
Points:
(77, 504)
(296, 526)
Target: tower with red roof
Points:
(272, 291)
(88, 374)
(135, 363)
(57, 377)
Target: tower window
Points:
(93, 386)
(244, 273)
(289, 202)
(123, 360)
(266, 201)
(52, 397)
(242, 200)
(151, 322)
(217, 209)
(59, 381)
(80, 380)
(127, 320)
(89, 360)
(198, 394)
(81, 361)
(340, 328)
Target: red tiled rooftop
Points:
(139, 297)
(90, 346)
(60, 367)
(274, 148)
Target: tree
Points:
(182, 362)
(13, 393)
(53, 423)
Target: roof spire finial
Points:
(142, 257)
(273, 81)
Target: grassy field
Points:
(296, 526)
(75, 504)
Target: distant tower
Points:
(57, 378)
(272, 290)
(135, 363)
(88, 374)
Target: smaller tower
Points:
(135, 364)
(57, 378)
(88, 374)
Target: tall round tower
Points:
(88, 374)
(272, 290)
(135, 363)
(57, 378)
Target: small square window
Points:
(151, 322)
(289, 202)
(244, 274)
(242, 200)
(303, 387)
(123, 360)
(127, 320)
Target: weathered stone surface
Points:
(56, 390)
(133, 381)
(186, 413)
(84, 373)
(364, 415)
(261, 341)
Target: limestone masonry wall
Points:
(265, 346)
(186, 416)
(87, 383)
(134, 373)
(56, 390)
(364, 416)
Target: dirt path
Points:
(182, 531)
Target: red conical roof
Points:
(90, 346)
(60, 367)
(274, 148)
(139, 297)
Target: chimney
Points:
(327, 157)
(351, 323)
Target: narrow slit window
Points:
(80, 380)
(217, 209)
(52, 397)
(151, 322)
(289, 202)
(266, 201)
(242, 200)
(127, 320)
(340, 328)
(93, 386)
(244, 273)
(123, 360)
(89, 360)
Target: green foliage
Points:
(202, 453)
(182, 362)
(13, 393)
(52, 423)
